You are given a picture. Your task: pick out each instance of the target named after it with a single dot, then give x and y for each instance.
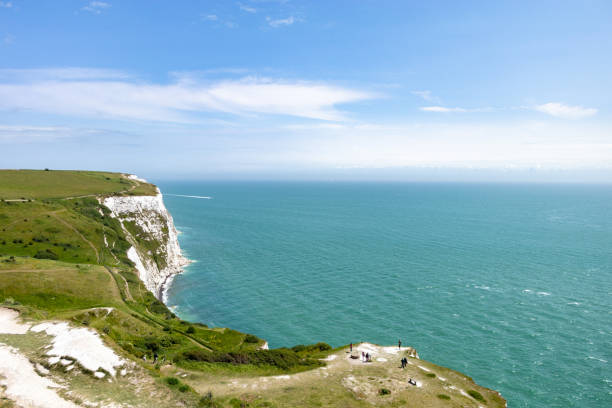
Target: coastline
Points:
(181, 260)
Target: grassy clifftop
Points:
(46, 184)
(62, 256)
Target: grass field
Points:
(41, 184)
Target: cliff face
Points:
(150, 229)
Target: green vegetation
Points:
(476, 395)
(443, 397)
(41, 184)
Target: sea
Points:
(510, 284)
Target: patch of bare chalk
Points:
(81, 344)
(24, 385)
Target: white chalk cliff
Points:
(149, 217)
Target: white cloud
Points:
(565, 111)
(512, 144)
(210, 17)
(96, 7)
(442, 109)
(25, 134)
(426, 95)
(60, 74)
(280, 22)
(247, 8)
(180, 101)
(6, 4)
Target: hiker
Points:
(367, 357)
(399, 344)
(362, 356)
(351, 347)
(403, 363)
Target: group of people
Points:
(366, 357)
(404, 362)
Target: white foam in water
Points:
(190, 196)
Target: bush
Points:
(46, 254)
(311, 348)
(476, 395)
(443, 397)
(384, 391)
(190, 330)
(282, 358)
(249, 338)
(207, 401)
(183, 388)
(172, 381)
(431, 375)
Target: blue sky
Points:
(400, 90)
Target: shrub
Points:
(183, 388)
(207, 400)
(172, 381)
(249, 338)
(431, 375)
(384, 391)
(282, 358)
(311, 348)
(476, 395)
(46, 254)
(190, 330)
(443, 397)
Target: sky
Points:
(309, 90)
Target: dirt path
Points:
(134, 185)
(36, 270)
(67, 224)
(128, 294)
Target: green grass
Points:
(40, 184)
(56, 286)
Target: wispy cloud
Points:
(96, 7)
(426, 95)
(561, 110)
(60, 74)
(8, 39)
(442, 109)
(218, 21)
(180, 101)
(247, 8)
(6, 4)
(280, 22)
(27, 134)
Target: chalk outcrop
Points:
(150, 229)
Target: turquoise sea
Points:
(508, 283)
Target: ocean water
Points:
(510, 284)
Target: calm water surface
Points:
(510, 284)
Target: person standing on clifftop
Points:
(351, 347)
(399, 344)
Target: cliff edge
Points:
(150, 229)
